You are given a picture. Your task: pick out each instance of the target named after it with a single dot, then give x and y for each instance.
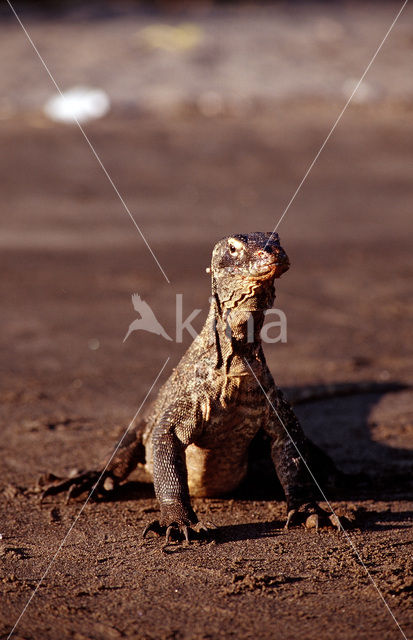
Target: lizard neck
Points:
(234, 327)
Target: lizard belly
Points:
(213, 473)
(218, 463)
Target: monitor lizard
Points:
(195, 438)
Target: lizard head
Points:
(243, 270)
(253, 257)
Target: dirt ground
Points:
(70, 260)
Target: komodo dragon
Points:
(196, 436)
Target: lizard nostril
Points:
(268, 254)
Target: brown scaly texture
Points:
(195, 438)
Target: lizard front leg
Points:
(291, 454)
(174, 432)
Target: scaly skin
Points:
(195, 438)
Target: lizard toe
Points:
(314, 517)
(290, 518)
(74, 486)
(185, 531)
(168, 533)
(153, 527)
(178, 531)
(203, 528)
(313, 522)
(335, 521)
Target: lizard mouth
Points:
(271, 267)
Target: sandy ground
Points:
(70, 260)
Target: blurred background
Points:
(206, 117)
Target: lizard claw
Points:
(290, 516)
(312, 516)
(182, 529)
(75, 485)
(175, 530)
(186, 533)
(204, 528)
(153, 526)
(168, 534)
(335, 521)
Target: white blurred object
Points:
(79, 103)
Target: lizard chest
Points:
(217, 461)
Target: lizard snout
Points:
(271, 261)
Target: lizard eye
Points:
(235, 246)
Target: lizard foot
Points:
(76, 484)
(312, 516)
(178, 530)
